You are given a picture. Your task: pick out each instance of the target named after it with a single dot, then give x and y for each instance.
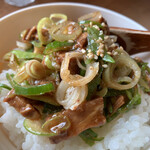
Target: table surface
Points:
(138, 10)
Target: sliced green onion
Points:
(30, 90)
(5, 86)
(56, 46)
(44, 23)
(89, 136)
(62, 32)
(26, 55)
(57, 124)
(62, 17)
(102, 92)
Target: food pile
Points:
(72, 77)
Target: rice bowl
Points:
(136, 118)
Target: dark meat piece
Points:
(22, 105)
(30, 34)
(87, 115)
(118, 103)
(81, 41)
(73, 67)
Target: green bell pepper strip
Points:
(89, 136)
(56, 46)
(26, 55)
(30, 90)
(5, 86)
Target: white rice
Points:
(129, 132)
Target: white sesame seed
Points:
(90, 55)
(100, 38)
(95, 57)
(113, 45)
(98, 53)
(101, 32)
(109, 53)
(83, 51)
(103, 24)
(85, 29)
(91, 67)
(100, 17)
(115, 53)
(106, 37)
(89, 50)
(98, 41)
(105, 66)
(112, 40)
(96, 27)
(70, 41)
(91, 24)
(102, 55)
(121, 48)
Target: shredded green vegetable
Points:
(90, 137)
(93, 22)
(30, 90)
(49, 109)
(5, 86)
(145, 71)
(93, 36)
(92, 86)
(134, 100)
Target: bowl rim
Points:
(73, 4)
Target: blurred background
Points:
(138, 10)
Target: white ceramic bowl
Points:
(12, 24)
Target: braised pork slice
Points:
(82, 40)
(22, 105)
(87, 115)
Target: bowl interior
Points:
(13, 24)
